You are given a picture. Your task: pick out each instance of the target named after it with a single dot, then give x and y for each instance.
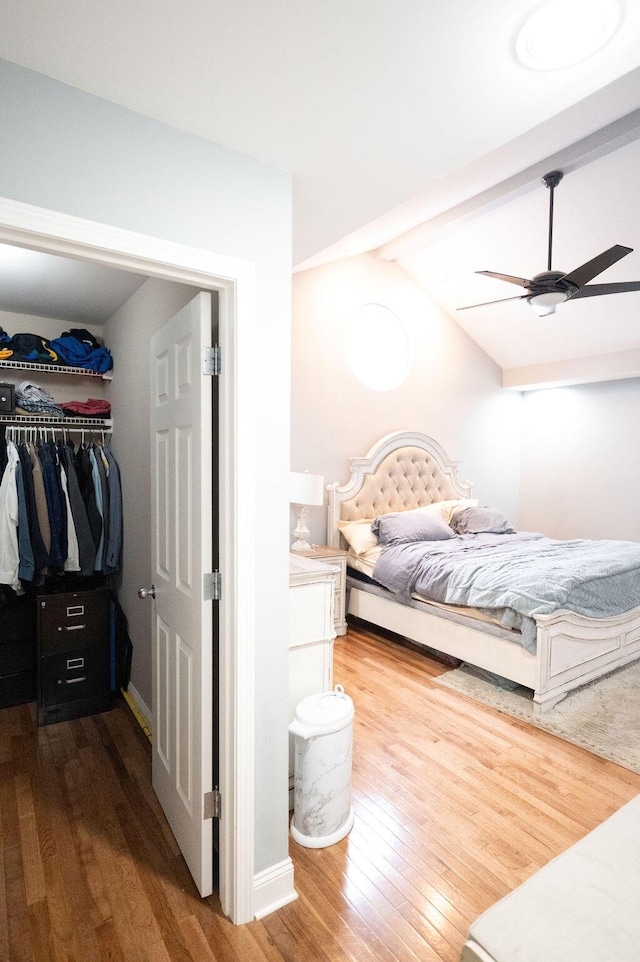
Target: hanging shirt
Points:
(72, 562)
(9, 517)
(86, 544)
(26, 568)
(97, 485)
(40, 554)
(113, 549)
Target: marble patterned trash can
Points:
(323, 734)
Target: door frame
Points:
(57, 233)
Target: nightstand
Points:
(338, 558)
(311, 634)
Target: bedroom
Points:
(173, 208)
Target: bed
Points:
(407, 470)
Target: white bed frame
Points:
(408, 470)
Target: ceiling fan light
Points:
(545, 303)
(562, 33)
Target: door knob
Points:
(147, 592)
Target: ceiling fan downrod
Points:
(551, 180)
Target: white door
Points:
(181, 482)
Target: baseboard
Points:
(273, 888)
(141, 706)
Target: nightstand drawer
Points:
(68, 676)
(73, 621)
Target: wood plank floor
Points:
(455, 805)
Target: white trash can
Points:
(323, 734)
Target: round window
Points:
(377, 347)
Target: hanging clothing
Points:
(9, 518)
(86, 544)
(113, 549)
(40, 553)
(44, 524)
(88, 492)
(26, 567)
(56, 508)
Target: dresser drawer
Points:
(73, 675)
(73, 621)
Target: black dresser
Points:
(73, 657)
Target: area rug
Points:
(603, 716)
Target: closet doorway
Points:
(233, 283)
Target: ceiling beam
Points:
(581, 370)
(585, 151)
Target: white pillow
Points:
(446, 509)
(358, 534)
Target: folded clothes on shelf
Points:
(35, 400)
(91, 408)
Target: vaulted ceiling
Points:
(391, 116)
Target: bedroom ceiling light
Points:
(544, 304)
(565, 32)
(377, 347)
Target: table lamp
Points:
(304, 489)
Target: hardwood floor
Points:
(455, 805)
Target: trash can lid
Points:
(326, 711)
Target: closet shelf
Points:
(55, 369)
(73, 424)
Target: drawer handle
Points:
(71, 681)
(71, 627)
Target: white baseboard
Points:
(273, 888)
(141, 705)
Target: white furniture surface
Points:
(407, 470)
(311, 635)
(336, 557)
(581, 907)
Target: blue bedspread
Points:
(517, 576)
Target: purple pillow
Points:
(481, 521)
(393, 529)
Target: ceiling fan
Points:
(546, 290)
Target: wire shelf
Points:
(72, 424)
(55, 369)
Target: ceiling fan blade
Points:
(597, 265)
(594, 290)
(502, 300)
(520, 281)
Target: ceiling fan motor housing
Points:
(551, 281)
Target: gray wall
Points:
(453, 390)
(581, 461)
(68, 151)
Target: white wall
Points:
(68, 151)
(453, 390)
(581, 461)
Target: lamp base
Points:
(301, 546)
(301, 533)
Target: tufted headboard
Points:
(402, 471)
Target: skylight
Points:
(562, 33)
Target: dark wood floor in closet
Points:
(455, 805)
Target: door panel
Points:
(182, 494)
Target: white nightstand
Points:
(337, 557)
(311, 634)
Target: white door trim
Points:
(58, 233)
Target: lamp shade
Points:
(306, 488)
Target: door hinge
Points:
(213, 804)
(211, 360)
(211, 586)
